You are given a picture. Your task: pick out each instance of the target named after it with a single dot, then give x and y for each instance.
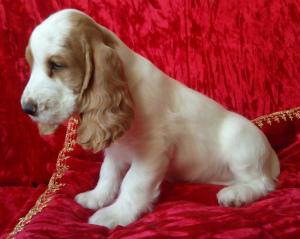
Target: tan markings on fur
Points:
(106, 108)
(88, 69)
(30, 101)
(75, 56)
(86, 27)
(72, 60)
(108, 39)
(29, 57)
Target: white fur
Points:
(46, 92)
(178, 134)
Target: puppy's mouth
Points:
(37, 111)
(48, 111)
(33, 110)
(46, 129)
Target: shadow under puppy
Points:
(151, 126)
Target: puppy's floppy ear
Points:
(106, 108)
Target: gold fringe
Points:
(277, 117)
(54, 183)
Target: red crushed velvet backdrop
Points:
(243, 54)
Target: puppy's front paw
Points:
(112, 216)
(93, 199)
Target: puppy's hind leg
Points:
(245, 192)
(254, 165)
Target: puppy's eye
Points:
(55, 66)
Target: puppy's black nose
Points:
(30, 109)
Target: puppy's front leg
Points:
(111, 175)
(139, 189)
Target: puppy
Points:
(150, 126)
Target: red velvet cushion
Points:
(244, 55)
(15, 202)
(281, 128)
(182, 210)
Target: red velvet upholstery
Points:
(243, 54)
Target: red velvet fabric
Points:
(243, 54)
(182, 210)
(15, 202)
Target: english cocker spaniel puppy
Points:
(150, 126)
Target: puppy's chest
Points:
(125, 149)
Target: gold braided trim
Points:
(277, 117)
(54, 183)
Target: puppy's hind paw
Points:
(234, 196)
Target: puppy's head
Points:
(75, 70)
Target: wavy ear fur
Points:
(106, 108)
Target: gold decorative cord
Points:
(277, 117)
(54, 183)
(70, 141)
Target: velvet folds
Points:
(243, 54)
